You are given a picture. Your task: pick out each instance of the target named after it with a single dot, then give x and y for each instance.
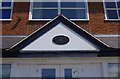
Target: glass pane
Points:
(74, 13)
(73, 4)
(6, 3)
(5, 14)
(113, 75)
(110, 5)
(113, 70)
(0, 14)
(118, 3)
(119, 13)
(68, 73)
(48, 73)
(44, 13)
(112, 14)
(45, 5)
(6, 70)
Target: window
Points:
(6, 69)
(112, 9)
(5, 9)
(48, 73)
(113, 69)
(76, 10)
(68, 73)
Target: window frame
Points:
(59, 11)
(11, 8)
(105, 11)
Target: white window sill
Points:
(112, 20)
(5, 19)
(51, 19)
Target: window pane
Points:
(113, 67)
(118, 3)
(119, 13)
(45, 4)
(44, 13)
(110, 5)
(5, 14)
(74, 13)
(48, 73)
(113, 70)
(4, 66)
(112, 14)
(73, 4)
(6, 4)
(68, 73)
(0, 14)
(6, 70)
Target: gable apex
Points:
(50, 25)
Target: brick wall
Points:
(96, 24)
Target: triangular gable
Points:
(46, 43)
(37, 42)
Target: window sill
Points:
(5, 19)
(51, 19)
(113, 20)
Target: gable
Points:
(41, 40)
(45, 43)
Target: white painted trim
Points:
(12, 4)
(88, 17)
(0, 3)
(61, 60)
(5, 19)
(99, 35)
(112, 19)
(59, 8)
(117, 10)
(105, 69)
(105, 35)
(30, 10)
(51, 19)
(59, 12)
(104, 9)
(13, 69)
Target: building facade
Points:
(70, 39)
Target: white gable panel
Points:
(44, 43)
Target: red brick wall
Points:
(96, 24)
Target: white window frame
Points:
(12, 3)
(105, 11)
(59, 11)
